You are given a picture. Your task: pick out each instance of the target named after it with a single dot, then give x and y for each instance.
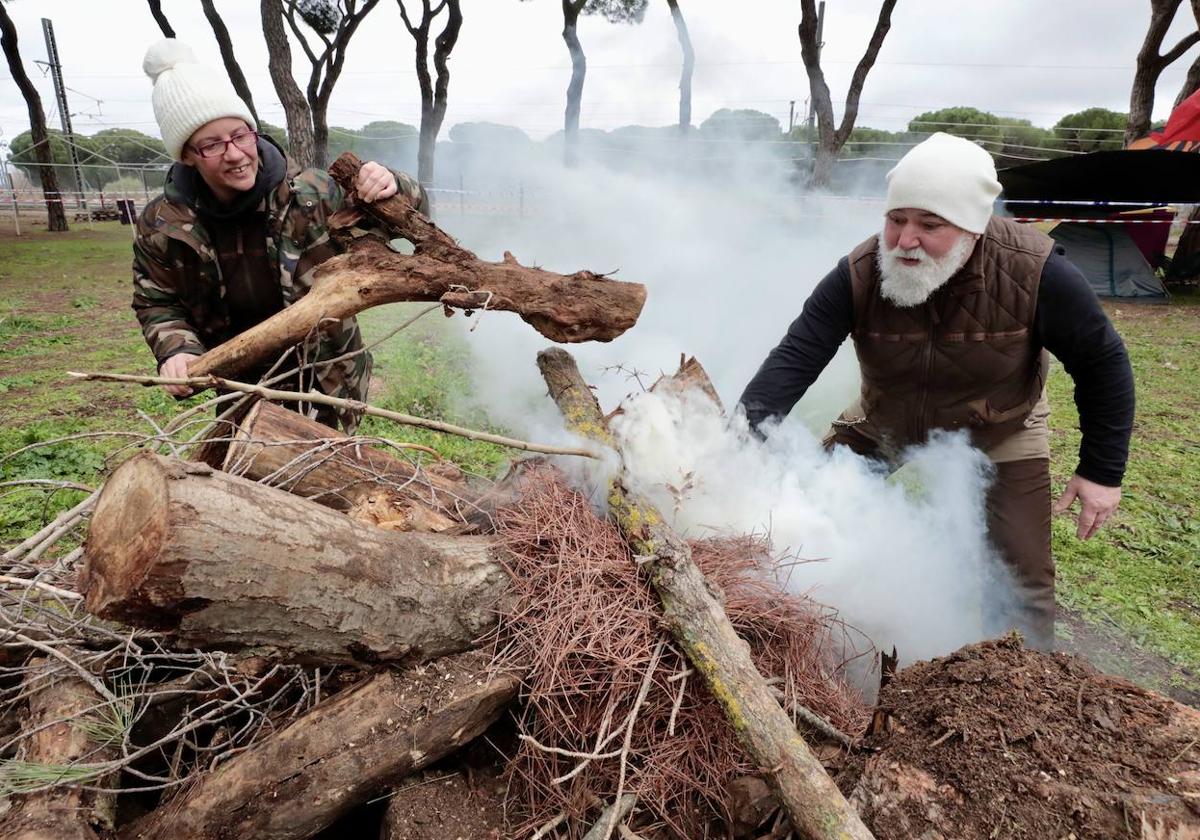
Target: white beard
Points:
(911, 285)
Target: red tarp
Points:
(1182, 131)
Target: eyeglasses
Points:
(216, 148)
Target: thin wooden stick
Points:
(337, 402)
(548, 826)
(62, 519)
(614, 813)
(87, 675)
(45, 587)
(623, 804)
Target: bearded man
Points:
(952, 311)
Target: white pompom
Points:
(164, 55)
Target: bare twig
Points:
(950, 733)
(337, 402)
(619, 805)
(814, 720)
(613, 814)
(87, 675)
(45, 587)
(68, 516)
(545, 828)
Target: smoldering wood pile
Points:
(264, 633)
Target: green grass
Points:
(64, 305)
(423, 371)
(1142, 572)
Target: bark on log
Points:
(583, 306)
(61, 813)
(299, 780)
(696, 618)
(313, 461)
(225, 563)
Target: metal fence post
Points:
(16, 207)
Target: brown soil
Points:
(996, 741)
(441, 805)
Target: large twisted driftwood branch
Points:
(583, 306)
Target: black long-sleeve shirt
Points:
(1068, 321)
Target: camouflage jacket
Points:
(179, 294)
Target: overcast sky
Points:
(1018, 58)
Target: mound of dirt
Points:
(996, 741)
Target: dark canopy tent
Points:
(1118, 188)
(1120, 180)
(1110, 260)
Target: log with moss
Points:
(696, 618)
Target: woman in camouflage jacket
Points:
(237, 234)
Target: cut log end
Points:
(126, 537)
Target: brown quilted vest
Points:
(963, 359)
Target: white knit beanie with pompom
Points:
(949, 176)
(187, 95)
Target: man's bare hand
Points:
(176, 367)
(1096, 504)
(375, 182)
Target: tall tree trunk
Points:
(434, 95)
(160, 18)
(420, 34)
(1192, 81)
(571, 10)
(824, 157)
(302, 145)
(441, 62)
(831, 138)
(326, 66)
(689, 64)
(225, 44)
(56, 216)
(1151, 63)
(320, 118)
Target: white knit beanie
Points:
(187, 95)
(949, 176)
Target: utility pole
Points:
(791, 116)
(64, 111)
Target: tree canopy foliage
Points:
(1091, 130)
(1004, 137)
(488, 133)
(387, 141)
(741, 124)
(617, 11)
(127, 145)
(94, 176)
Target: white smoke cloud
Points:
(904, 557)
(729, 257)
